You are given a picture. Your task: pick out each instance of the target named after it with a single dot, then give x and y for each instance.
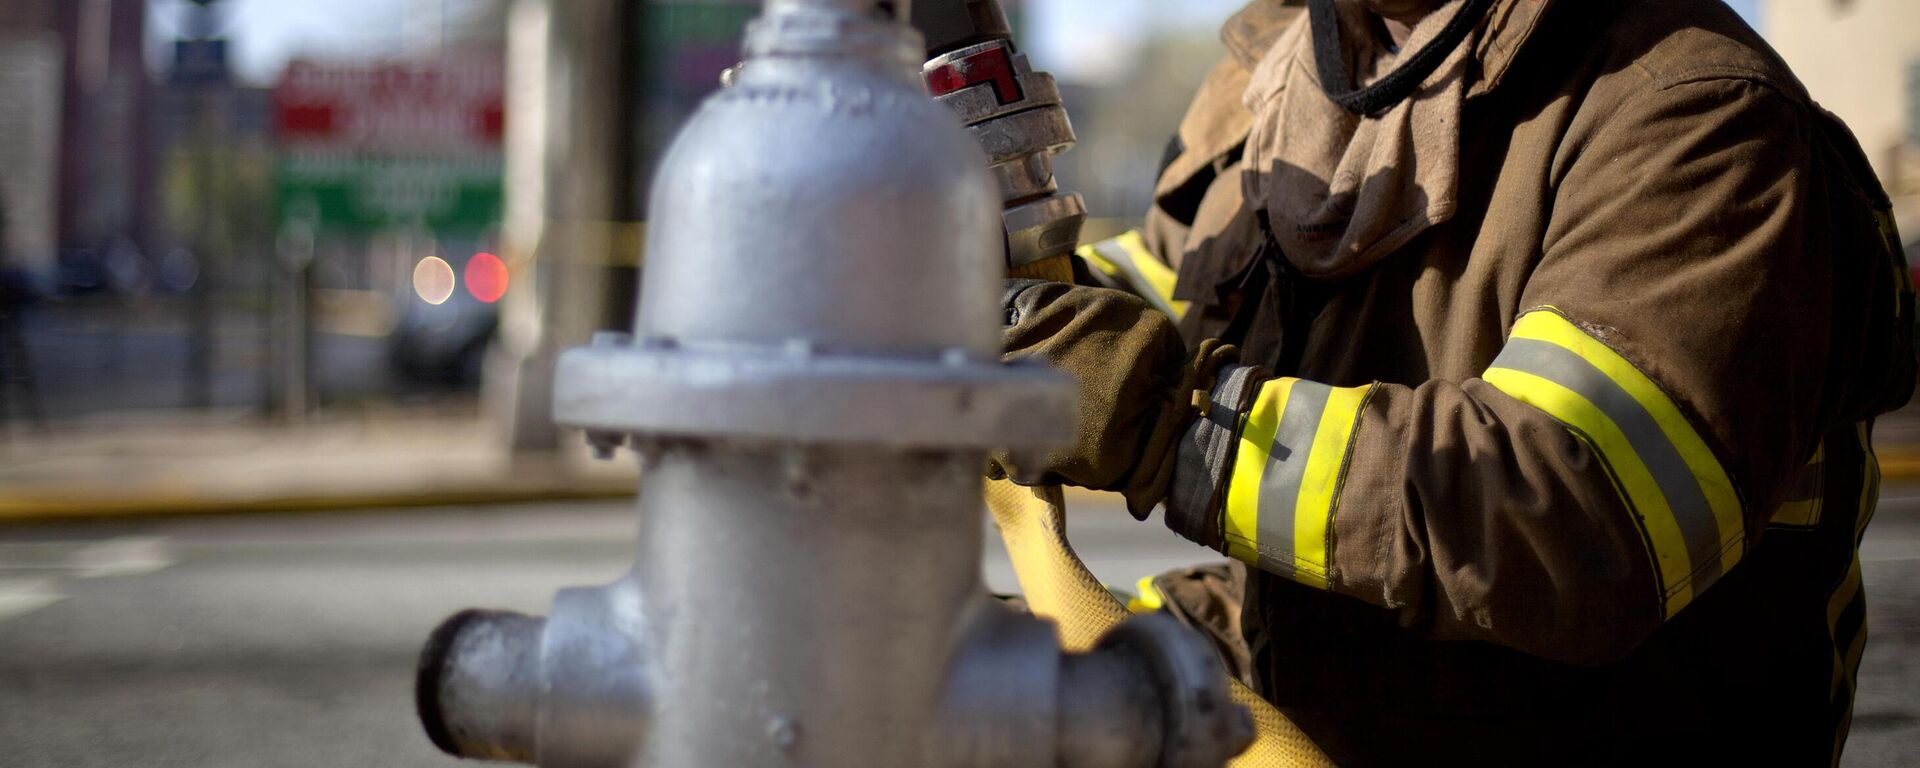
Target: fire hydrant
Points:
(811, 388)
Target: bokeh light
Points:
(486, 277)
(433, 280)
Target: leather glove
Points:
(1136, 386)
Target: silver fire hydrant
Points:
(811, 388)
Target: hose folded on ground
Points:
(1057, 585)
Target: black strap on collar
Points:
(1329, 56)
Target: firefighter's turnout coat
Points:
(1553, 445)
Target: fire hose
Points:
(1057, 585)
(1017, 116)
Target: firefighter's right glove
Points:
(1136, 387)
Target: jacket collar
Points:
(1254, 29)
(1509, 25)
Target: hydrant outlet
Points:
(478, 687)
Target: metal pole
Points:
(570, 200)
(201, 25)
(291, 322)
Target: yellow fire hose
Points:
(1057, 585)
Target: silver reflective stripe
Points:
(1286, 464)
(1117, 255)
(1204, 459)
(1113, 253)
(1677, 483)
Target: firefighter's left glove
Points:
(1136, 387)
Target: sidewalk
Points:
(211, 463)
(172, 463)
(1896, 440)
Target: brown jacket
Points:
(1504, 573)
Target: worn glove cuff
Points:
(1205, 455)
(1150, 480)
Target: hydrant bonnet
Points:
(822, 233)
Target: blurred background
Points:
(242, 210)
(244, 213)
(273, 256)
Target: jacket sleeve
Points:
(1656, 395)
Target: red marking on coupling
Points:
(994, 65)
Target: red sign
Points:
(434, 106)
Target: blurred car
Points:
(447, 320)
(82, 271)
(1913, 260)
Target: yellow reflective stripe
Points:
(1550, 326)
(1241, 528)
(1846, 598)
(1849, 641)
(1287, 474)
(1836, 605)
(1127, 258)
(1804, 513)
(1149, 599)
(1869, 481)
(1854, 650)
(1095, 259)
(1808, 498)
(1320, 484)
(1158, 276)
(1630, 475)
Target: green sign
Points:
(358, 192)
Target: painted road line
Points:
(123, 556)
(21, 596)
(35, 568)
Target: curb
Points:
(1898, 464)
(66, 505)
(22, 508)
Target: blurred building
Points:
(74, 97)
(1861, 59)
(1127, 71)
(31, 71)
(1124, 126)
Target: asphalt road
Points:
(290, 640)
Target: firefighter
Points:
(1527, 355)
